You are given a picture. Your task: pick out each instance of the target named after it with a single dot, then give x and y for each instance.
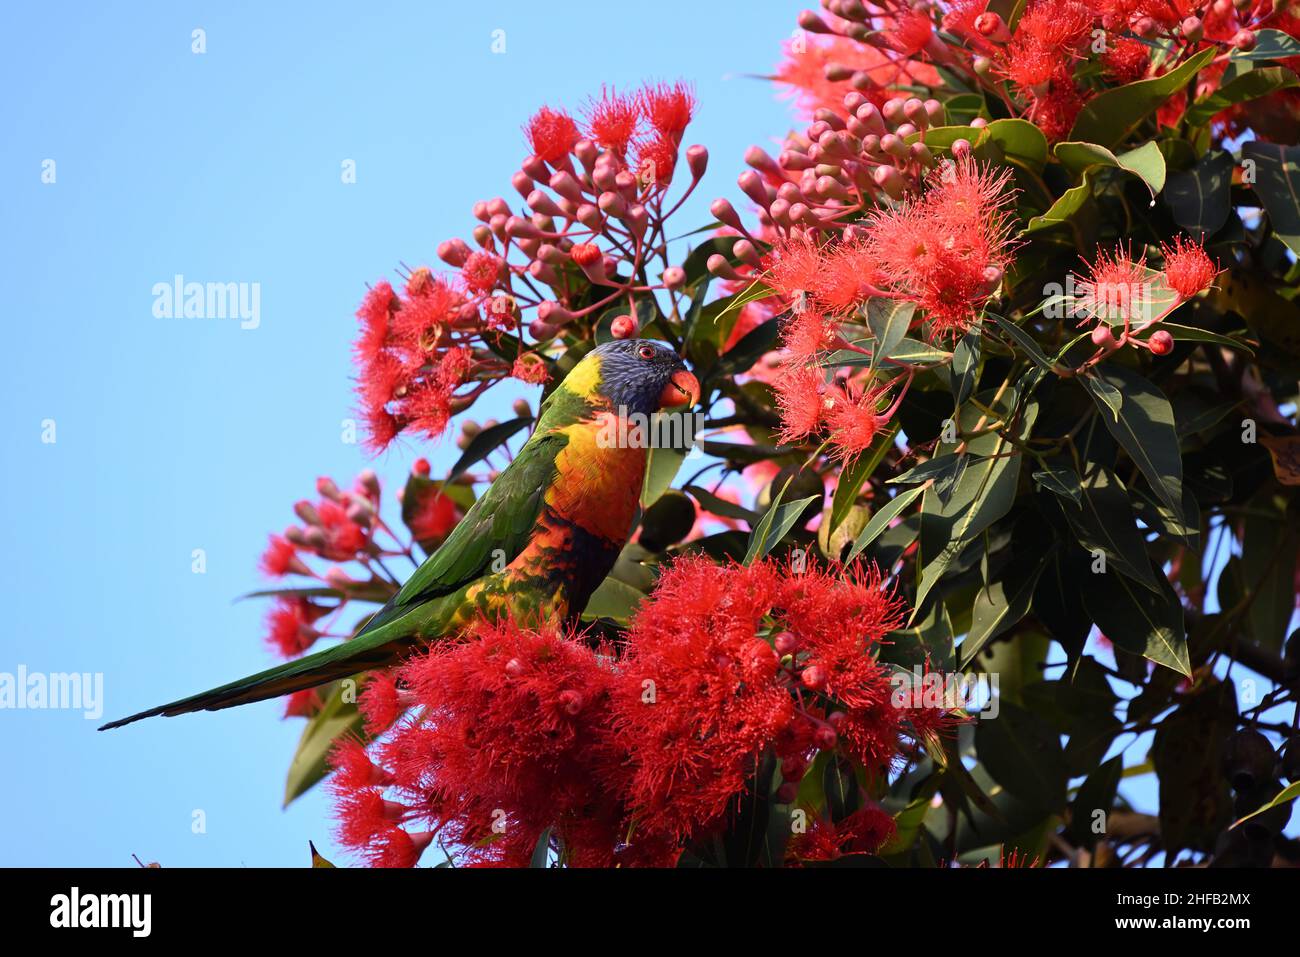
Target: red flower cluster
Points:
(595, 197)
(632, 755)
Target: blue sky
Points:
(174, 435)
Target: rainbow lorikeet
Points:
(537, 543)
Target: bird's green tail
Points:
(373, 649)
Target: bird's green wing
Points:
(494, 530)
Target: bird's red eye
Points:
(646, 352)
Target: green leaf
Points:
(720, 506)
(1019, 140)
(855, 474)
(965, 366)
(1144, 425)
(662, 465)
(1103, 521)
(1001, 604)
(1201, 198)
(486, 442)
(907, 351)
(1023, 754)
(1024, 340)
(1060, 480)
(1145, 162)
(888, 320)
(1277, 183)
(1249, 85)
(774, 524)
(613, 599)
(1187, 752)
(881, 519)
(1285, 796)
(541, 850)
(1097, 793)
(335, 719)
(1268, 567)
(317, 859)
(1139, 620)
(1111, 117)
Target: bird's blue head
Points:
(642, 376)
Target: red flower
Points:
(1116, 285)
(551, 134)
(910, 33)
(482, 271)
(433, 517)
(1188, 268)
(801, 399)
(864, 831)
(668, 108)
(289, 626)
(613, 120)
(281, 557)
(855, 418)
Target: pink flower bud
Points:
(514, 667)
(674, 277)
(785, 643)
(1103, 337)
(991, 26)
(718, 266)
(590, 217)
(809, 21)
(539, 202)
(453, 252)
(553, 314)
(612, 204)
(338, 579)
(697, 160)
(725, 213)
(551, 254)
(498, 206)
(587, 153)
(978, 123)
(1192, 28)
(543, 272)
(637, 219)
(571, 702)
(522, 182)
(916, 113)
(326, 488)
(890, 180)
(759, 159)
(306, 511)
(961, 148)
(540, 331)
(480, 211)
(535, 167)
(517, 226)
(624, 327)
(825, 738)
(564, 184)
(752, 186)
(1244, 40)
(744, 250)
(814, 677)
(1161, 343)
(893, 111)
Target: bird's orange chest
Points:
(598, 482)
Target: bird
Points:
(535, 545)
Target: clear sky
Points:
(173, 435)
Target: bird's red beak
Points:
(682, 389)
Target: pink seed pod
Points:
(674, 277)
(624, 327)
